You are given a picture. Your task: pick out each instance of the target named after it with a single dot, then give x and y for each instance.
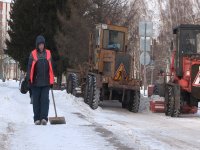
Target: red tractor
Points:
(182, 92)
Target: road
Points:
(156, 131)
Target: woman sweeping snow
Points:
(41, 78)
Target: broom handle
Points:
(54, 104)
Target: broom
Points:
(56, 119)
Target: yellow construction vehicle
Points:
(107, 74)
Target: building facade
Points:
(8, 67)
(5, 8)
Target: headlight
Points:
(187, 73)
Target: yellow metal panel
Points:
(107, 56)
(118, 28)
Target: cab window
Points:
(113, 40)
(198, 43)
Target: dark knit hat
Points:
(40, 39)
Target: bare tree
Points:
(136, 12)
(172, 14)
(2, 47)
(73, 35)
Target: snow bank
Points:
(144, 104)
(18, 132)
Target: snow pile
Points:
(144, 104)
(144, 93)
(157, 98)
(4, 84)
(144, 101)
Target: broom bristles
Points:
(57, 120)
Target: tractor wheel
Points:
(72, 84)
(167, 99)
(87, 89)
(94, 94)
(173, 112)
(176, 113)
(171, 101)
(134, 101)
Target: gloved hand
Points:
(51, 86)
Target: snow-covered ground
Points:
(108, 128)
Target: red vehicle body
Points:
(186, 80)
(182, 92)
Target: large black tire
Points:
(134, 101)
(172, 110)
(167, 96)
(87, 89)
(94, 94)
(72, 84)
(176, 113)
(171, 103)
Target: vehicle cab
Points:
(110, 48)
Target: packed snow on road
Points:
(108, 128)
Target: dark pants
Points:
(30, 93)
(40, 97)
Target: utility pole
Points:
(145, 75)
(152, 65)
